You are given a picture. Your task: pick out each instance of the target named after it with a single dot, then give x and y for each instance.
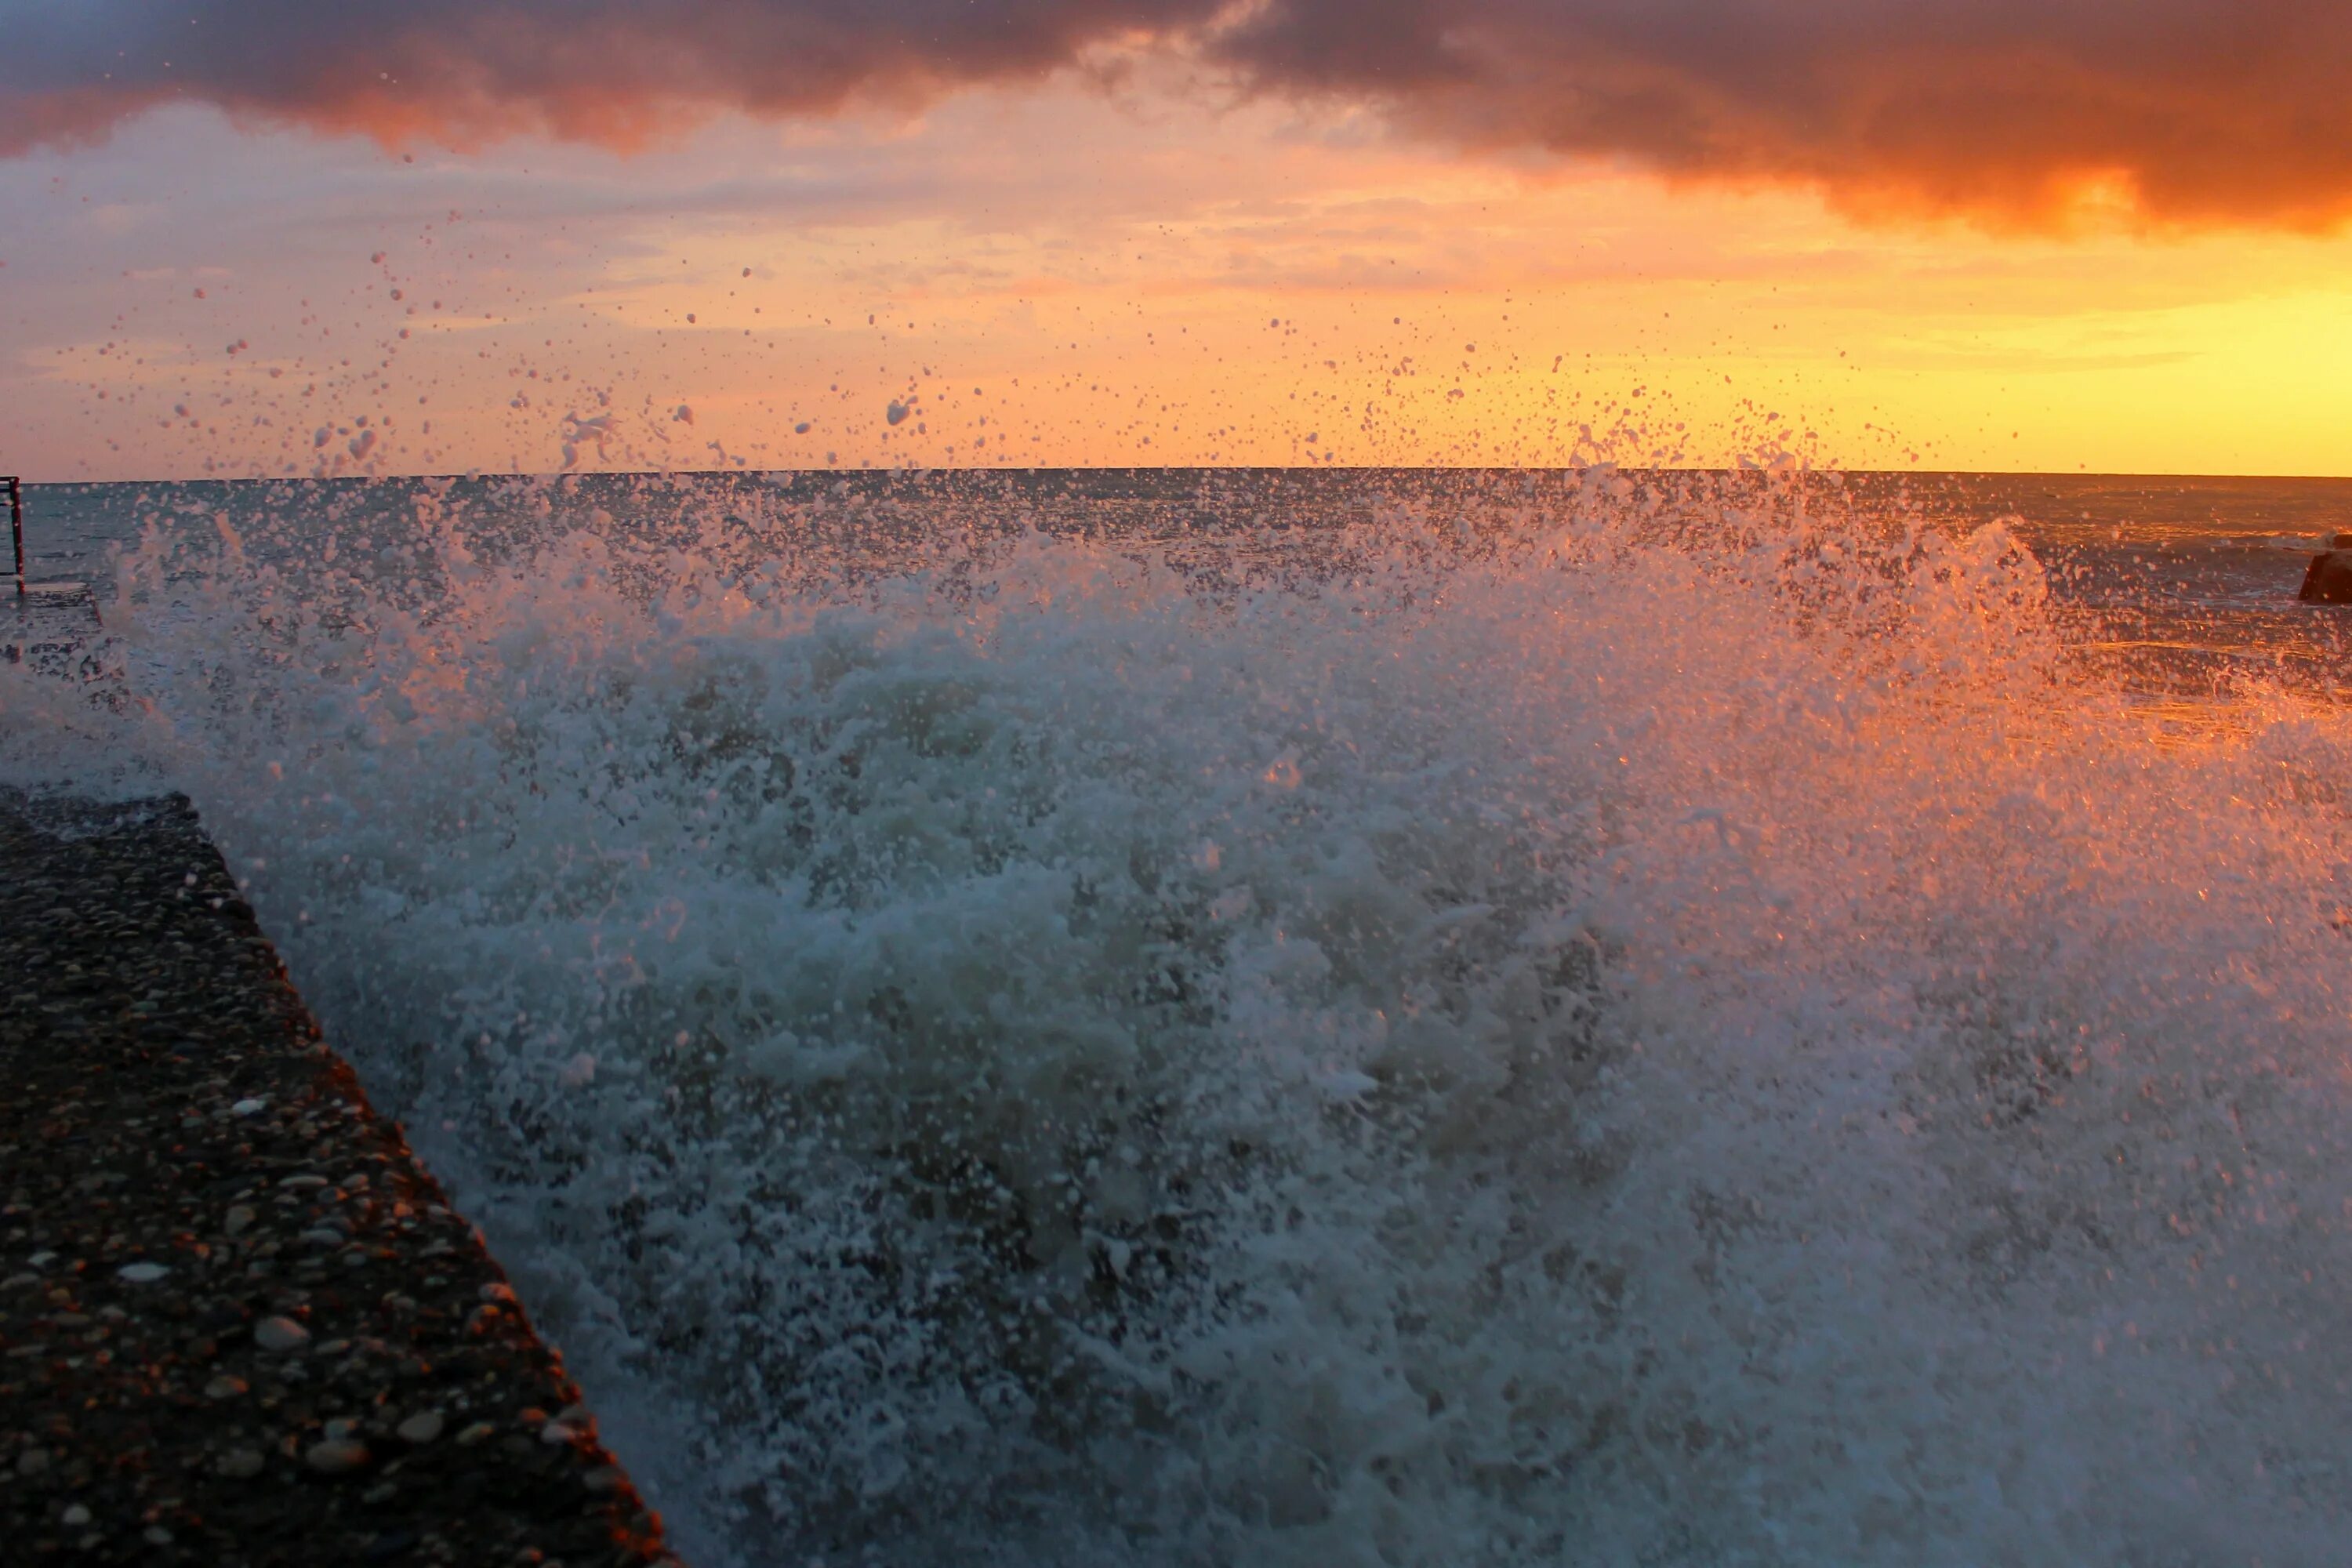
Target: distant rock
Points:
(2330, 581)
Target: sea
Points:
(1320, 1017)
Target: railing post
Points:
(16, 527)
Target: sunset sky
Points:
(262, 237)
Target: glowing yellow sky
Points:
(1104, 277)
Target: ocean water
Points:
(1169, 1018)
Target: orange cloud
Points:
(2014, 112)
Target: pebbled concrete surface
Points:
(238, 1323)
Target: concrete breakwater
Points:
(239, 1324)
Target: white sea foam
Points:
(1519, 1044)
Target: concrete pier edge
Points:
(239, 1323)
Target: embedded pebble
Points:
(420, 1428)
(248, 1107)
(225, 1387)
(475, 1434)
(571, 1422)
(141, 1273)
(280, 1335)
(238, 1221)
(240, 1464)
(336, 1456)
(74, 1515)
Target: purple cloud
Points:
(611, 71)
(2190, 111)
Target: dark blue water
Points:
(2182, 586)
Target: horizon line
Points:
(930, 471)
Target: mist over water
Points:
(1591, 1019)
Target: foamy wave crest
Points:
(1510, 1042)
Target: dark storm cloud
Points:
(605, 70)
(2193, 110)
(2199, 110)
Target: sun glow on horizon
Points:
(1062, 276)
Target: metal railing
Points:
(50, 620)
